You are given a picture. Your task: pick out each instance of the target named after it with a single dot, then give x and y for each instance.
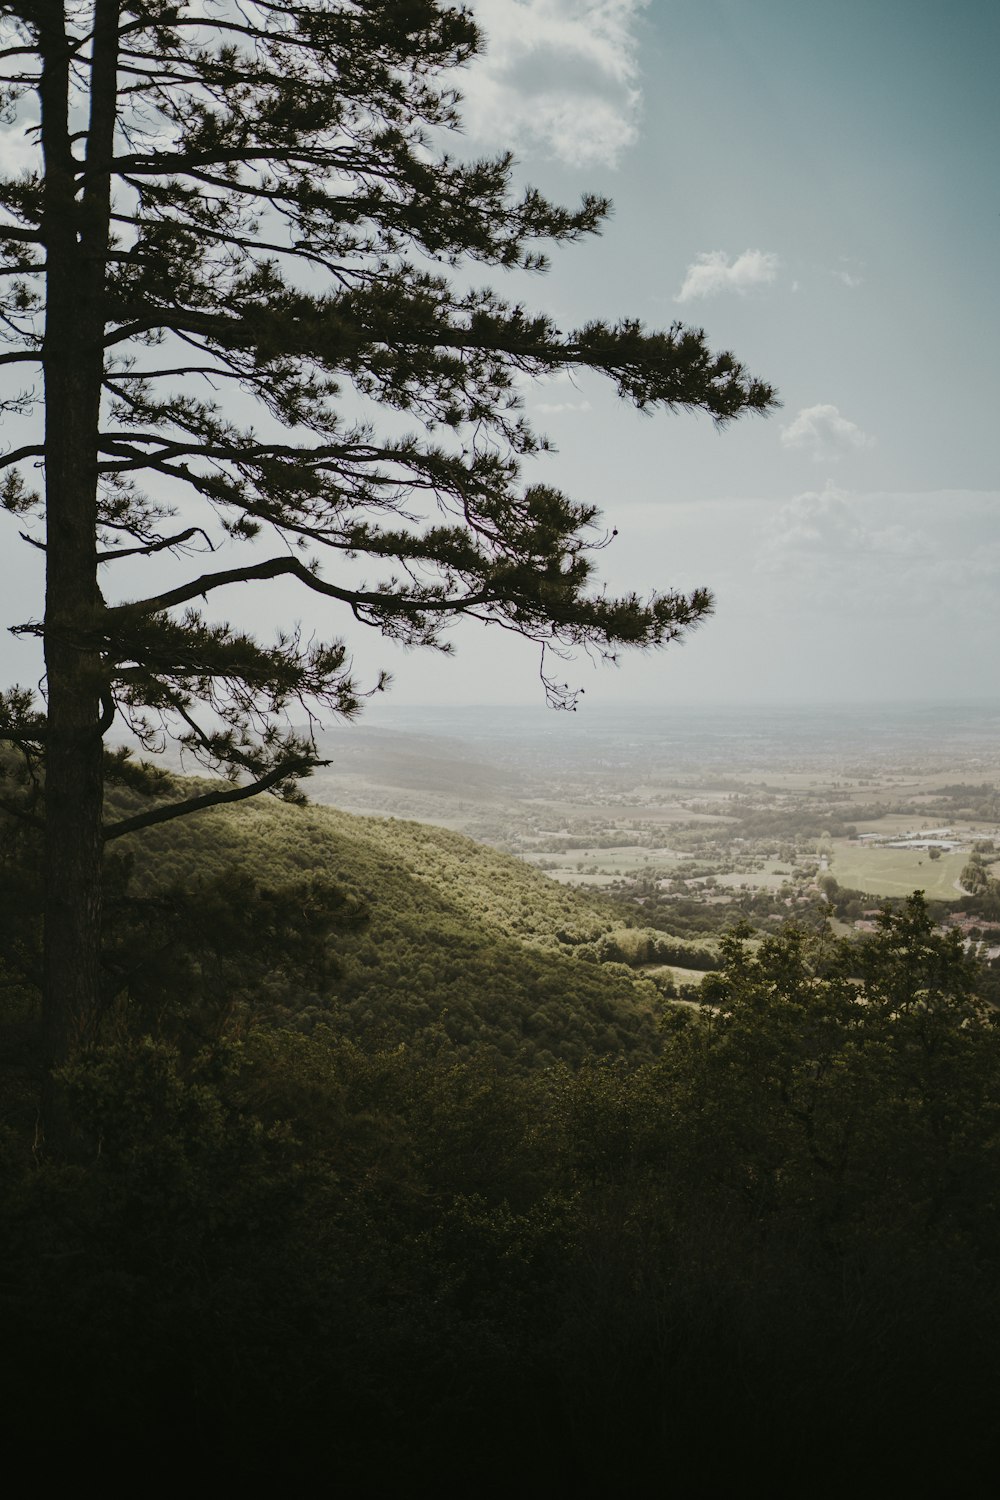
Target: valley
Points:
(701, 817)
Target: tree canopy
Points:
(240, 261)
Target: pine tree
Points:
(240, 235)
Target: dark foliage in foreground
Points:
(772, 1250)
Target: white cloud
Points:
(831, 529)
(532, 388)
(816, 523)
(18, 150)
(557, 76)
(713, 272)
(822, 431)
(909, 577)
(835, 593)
(848, 272)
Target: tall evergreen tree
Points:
(237, 212)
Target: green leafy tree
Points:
(863, 1078)
(232, 246)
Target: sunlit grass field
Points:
(897, 872)
(677, 972)
(772, 877)
(601, 867)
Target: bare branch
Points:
(157, 546)
(276, 567)
(32, 450)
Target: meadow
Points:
(896, 872)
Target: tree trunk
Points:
(75, 232)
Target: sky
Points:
(815, 185)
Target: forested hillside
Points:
(379, 1166)
(388, 932)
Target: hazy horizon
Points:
(986, 701)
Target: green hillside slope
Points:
(392, 932)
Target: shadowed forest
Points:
(391, 1138)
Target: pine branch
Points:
(12, 809)
(288, 770)
(288, 566)
(158, 546)
(30, 450)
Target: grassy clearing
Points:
(897, 872)
(610, 864)
(676, 972)
(895, 825)
(772, 877)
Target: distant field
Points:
(623, 813)
(897, 872)
(772, 877)
(678, 974)
(611, 863)
(897, 824)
